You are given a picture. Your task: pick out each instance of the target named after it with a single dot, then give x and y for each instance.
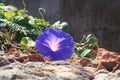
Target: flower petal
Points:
(55, 44)
(44, 50)
(62, 54)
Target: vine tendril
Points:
(23, 2)
(41, 11)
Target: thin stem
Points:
(23, 2)
(41, 11)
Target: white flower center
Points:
(54, 46)
(53, 42)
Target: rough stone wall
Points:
(100, 17)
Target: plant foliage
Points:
(20, 24)
(84, 48)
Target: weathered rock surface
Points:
(5, 60)
(56, 70)
(11, 69)
(106, 76)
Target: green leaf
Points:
(91, 39)
(27, 42)
(19, 13)
(18, 18)
(64, 26)
(9, 8)
(56, 24)
(9, 15)
(85, 52)
(1, 4)
(74, 55)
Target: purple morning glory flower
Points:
(55, 44)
